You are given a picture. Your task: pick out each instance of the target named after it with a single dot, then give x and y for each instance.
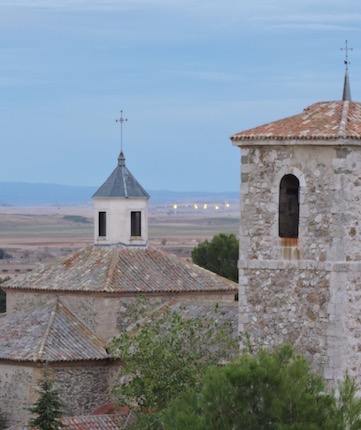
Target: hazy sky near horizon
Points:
(187, 75)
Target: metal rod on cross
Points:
(346, 49)
(121, 120)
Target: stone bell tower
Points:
(300, 234)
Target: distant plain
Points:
(34, 236)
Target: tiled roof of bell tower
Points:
(329, 120)
(321, 121)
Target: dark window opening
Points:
(102, 224)
(3, 298)
(135, 224)
(289, 206)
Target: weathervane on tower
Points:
(346, 48)
(121, 120)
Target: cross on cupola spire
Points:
(346, 49)
(121, 120)
(346, 95)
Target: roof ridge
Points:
(111, 269)
(117, 269)
(47, 334)
(157, 311)
(124, 181)
(48, 328)
(346, 94)
(344, 118)
(90, 335)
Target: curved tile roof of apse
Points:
(333, 120)
(85, 422)
(122, 270)
(49, 333)
(121, 183)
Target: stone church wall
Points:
(15, 385)
(105, 315)
(84, 388)
(82, 306)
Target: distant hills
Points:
(28, 194)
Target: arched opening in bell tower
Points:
(289, 207)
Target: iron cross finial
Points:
(121, 120)
(346, 48)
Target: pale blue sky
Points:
(186, 73)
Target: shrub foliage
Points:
(220, 255)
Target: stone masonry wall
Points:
(82, 306)
(330, 200)
(304, 290)
(286, 305)
(15, 383)
(85, 387)
(344, 329)
(106, 315)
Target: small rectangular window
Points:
(135, 224)
(102, 224)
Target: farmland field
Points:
(33, 236)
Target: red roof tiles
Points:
(324, 120)
(89, 422)
(48, 333)
(122, 270)
(94, 422)
(112, 408)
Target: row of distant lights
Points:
(204, 206)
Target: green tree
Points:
(165, 354)
(270, 390)
(348, 405)
(3, 421)
(48, 408)
(220, 255)
(4, 254)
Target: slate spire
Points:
(346, 95)
(121, 159)
(121, 183)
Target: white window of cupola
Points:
(136, 223)
(102, 224)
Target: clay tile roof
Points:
(94, 422)
(49, 333)
(324, 120)
(121, 183)
(112, 408)
(122, 270)
(89, 422)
